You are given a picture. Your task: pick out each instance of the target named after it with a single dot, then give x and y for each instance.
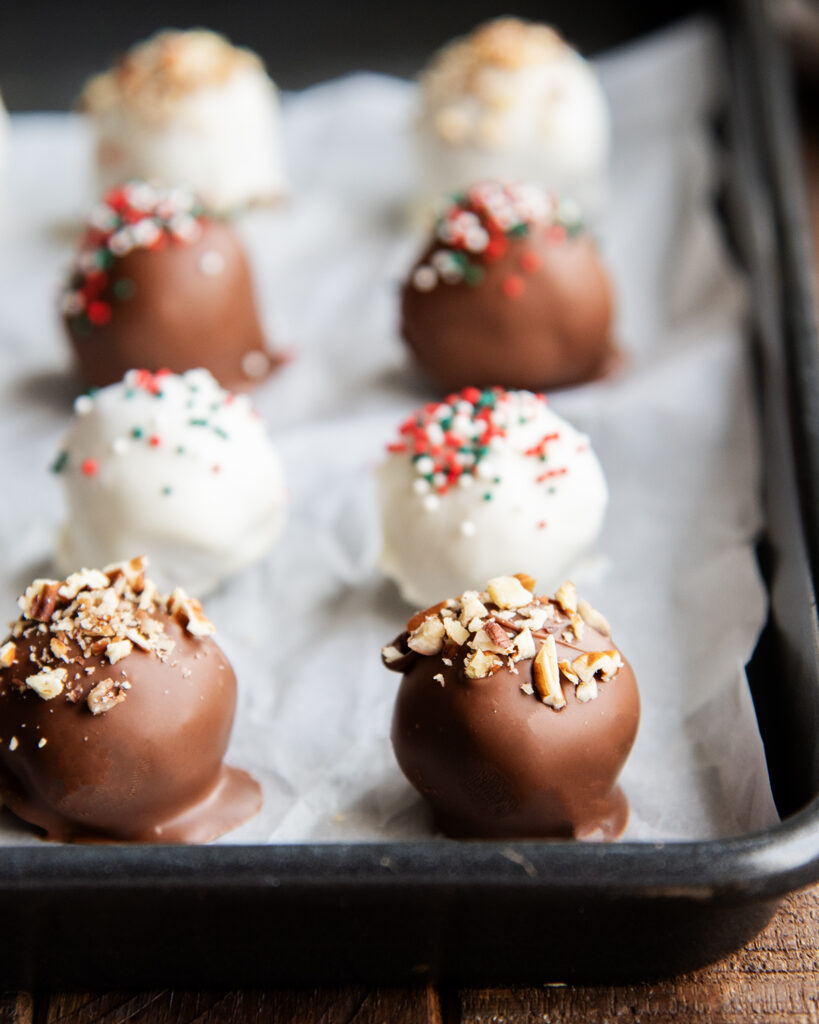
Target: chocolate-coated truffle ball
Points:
(176, 467)
(485, 480)
(115, 712)
(513, 100)
(189, 108)
(515, 714)
(509, 291)
(157, 283)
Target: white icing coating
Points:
(514, 101)
(174, 467)
(219, 134)
(540, 517)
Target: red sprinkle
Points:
(496, 247)
(154, 440)
(150, 382)
(513, 286)
(470, 395)
(98, 312)
(551, 473)
(90, 467)
(539, 448)
(530, 261)
(556, 233)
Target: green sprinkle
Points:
(198, 423)
(487, 496)
(81, 324)
(552, 490)
(124, 289)
(180, 449)
(130, 392)
(59, 464)
(220, 432)
(167, 490)
(473, 275)
(518, 231)
(103, 258)
(461, 260)
(136, 432)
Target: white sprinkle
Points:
(83, 405)
(435, 433)
(425, 279)
(255, 364)
(42, 742)
(121, 243)
(466, 480)
(424, 465)
(420, 485)
(212, 263)
(119, 446)
(431, 502)
(468, 528)
(13, 744)
(72, 303)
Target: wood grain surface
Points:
(774, 978)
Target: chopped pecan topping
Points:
(390, 654)
(59, 648)
(508, 592)
(481, 664)
(503, 626)
(593, 618)
(527, 581)
(106, 695)
(40, 600)
(49, 683)
(419, 617)
(546, 675)
(566, 597)
(117, 650)
(428, 638)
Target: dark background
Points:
(48, 49)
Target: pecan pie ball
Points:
(116, 707)
(515, 714)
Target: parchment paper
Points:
(675, 572)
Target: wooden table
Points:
(774, 978)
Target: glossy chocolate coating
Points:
(177, 316)
(495, 762)
(147, 770)
(556, 332)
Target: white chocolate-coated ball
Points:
(187, 108)
(513, 101)
(530, 495)
(175, 467)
